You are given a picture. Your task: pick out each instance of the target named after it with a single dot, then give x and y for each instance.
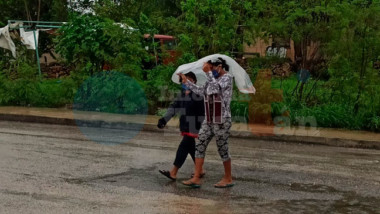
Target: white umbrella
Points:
(242, 80)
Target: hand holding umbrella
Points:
(182, 77)
(206, 67)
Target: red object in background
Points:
(168, 46)
(158, 36)
(107, 67)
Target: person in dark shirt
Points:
(190, 107)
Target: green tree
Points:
(355, 50)
(309, 24)
(304, 22)
(130, 9)
(88, 42)
(33, 10)
(211, 26)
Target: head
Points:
(219, 66)
(191, 76)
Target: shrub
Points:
(112, 92)
(373, 123)
(24, 88)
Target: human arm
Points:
(226, 85)
(200, 90)
(173, 109)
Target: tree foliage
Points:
(355, 49)
(304, 22)
(33, 10)
(89, 42)
(337, 40)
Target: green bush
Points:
(112, 92)
(330, 108)
(373, 123)
(240, 111)
(56, 93)
(159, 89)
(24, 88)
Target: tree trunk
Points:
(38, 10)
(27, 12)
(363, 68)
(301, 90)
(300, 50)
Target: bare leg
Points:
(198, 170)
(174, 171)
(222, 134)
(227, 178)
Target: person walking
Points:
(217, 92)
(190, 106)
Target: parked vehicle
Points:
(162, 47)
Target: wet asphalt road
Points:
(56, 169)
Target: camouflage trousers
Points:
(221, 133)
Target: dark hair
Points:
(220, 61)
(192, 76)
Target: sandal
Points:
(167, 174)
(218, 185)
(191, 184)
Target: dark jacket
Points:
(191, 109)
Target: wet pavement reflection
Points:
(56, 168)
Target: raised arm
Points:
(200, 90)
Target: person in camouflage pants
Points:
(207, 132)
(217, 93)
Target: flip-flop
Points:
(225, 186)
(201, 176)
(167, 174)
(192, 185)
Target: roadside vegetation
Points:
(343, 90)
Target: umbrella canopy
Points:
(242, 80)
